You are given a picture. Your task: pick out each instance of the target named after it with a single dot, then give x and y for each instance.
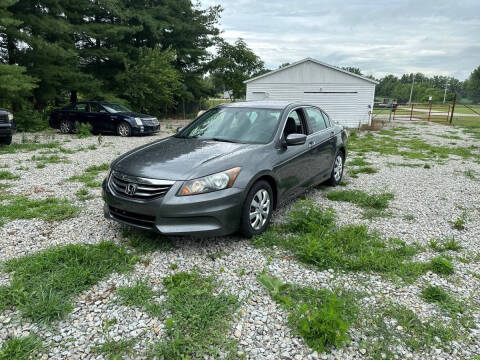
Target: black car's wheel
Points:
(66, 126)
(257, 209)
(337, 171)
(6, 140)
(124, 129)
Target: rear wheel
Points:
(66, 126)
(337, 171)
(6, 140)
(257, 209)
(124, 129)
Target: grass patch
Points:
(472, 175)
(42, 161)
(27, 147)
(459, 222)
(375, 202)
(410, 148)
(50, 209)
(111, 349)
(7, 175)
(441, 245)
(43, 284)
(313, 237)
(137, 295)
(362, 170)
(358, 162)
(199, 319)
(409, 217)
(320, 317)
(436, 295)
(83, 195)
(442, 266)
(88, 177)
(20, 348)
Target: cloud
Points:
(434, 37)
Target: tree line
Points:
(153, 55)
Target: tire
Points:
(66, 126)
(124, 129)
(262, 194)
(6, 140)
(337, 169)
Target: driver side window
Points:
(294, 124)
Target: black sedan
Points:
(104, 117)
(227, 170)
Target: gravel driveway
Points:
(426, 201)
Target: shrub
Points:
(30, 120)
(83, 130)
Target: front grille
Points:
(150, 122)
(3, 118)
(138, 188)
(132, 218)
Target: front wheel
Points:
(124, 129)
(337, 171)
(257, 209)
(6, 140)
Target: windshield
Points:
(115, 108)
(243, 125)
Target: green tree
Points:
(353, 70)
(473, 85)
(150, 82)
(14, 85)
(235, 64)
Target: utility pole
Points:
(411, 89)
(445, 93)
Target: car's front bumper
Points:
(144, 129)
(7, 129)
(212, 214)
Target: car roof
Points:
(266, 104)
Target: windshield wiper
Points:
(223, 140)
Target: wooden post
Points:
(429, 110)
(453, 107)
(411, 112)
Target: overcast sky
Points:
(379, 37)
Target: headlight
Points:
(10, 117)
(214, 182)
(138, 121)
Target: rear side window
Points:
(80, 107)
(96, 108)
(327, 119)
(315, 120)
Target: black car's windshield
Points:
(243, 125)
(115, 108)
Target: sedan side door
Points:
(292, 167)
(79, 113)
(321, 141)
(99, 118)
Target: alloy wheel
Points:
(338, 168)
(65, 127)
(123, 130)
(259, 209)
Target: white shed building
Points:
(346, 97)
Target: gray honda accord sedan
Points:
(227, 170)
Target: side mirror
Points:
(179, 129)
(296, 139)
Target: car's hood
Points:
(134, 114)
(179, 159)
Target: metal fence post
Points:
(453, 107)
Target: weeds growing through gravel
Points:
(83, 130)
(448, 244)
(320, 317)
(459, 223)
(111, 349)
(374, 205)
(442, 266)
(7, 175)
(27, 146)
(50, 209)
(361, 170)
(44, 283)
(89, 176)
(42, 161)
(314, 238)
(358, 162)
(83, 195)
(472, 175)
(198, 316)
(146, 241)
(20, 348)
(407, 148)
(436, 295)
